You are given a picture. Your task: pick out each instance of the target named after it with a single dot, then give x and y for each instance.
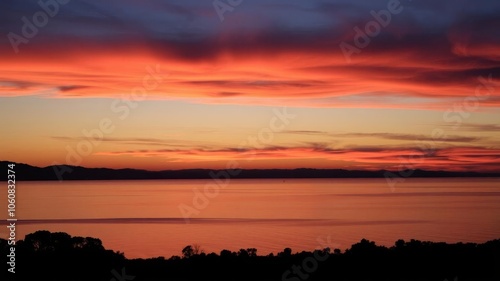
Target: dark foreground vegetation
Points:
(58, 256)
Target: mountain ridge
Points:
(66, 172)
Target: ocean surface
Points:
(159, 217)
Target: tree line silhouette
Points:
(58, 256)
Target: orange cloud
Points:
(403, 78)
(454, 158)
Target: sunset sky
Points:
(163, 84)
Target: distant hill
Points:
(27, 172)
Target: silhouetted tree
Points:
(287, 252)
(400, 244)
(243, 253)
(197, 249)
(252, 252)
(226, 254)
(81, 259)
(187, 252)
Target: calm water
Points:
(142, 218)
